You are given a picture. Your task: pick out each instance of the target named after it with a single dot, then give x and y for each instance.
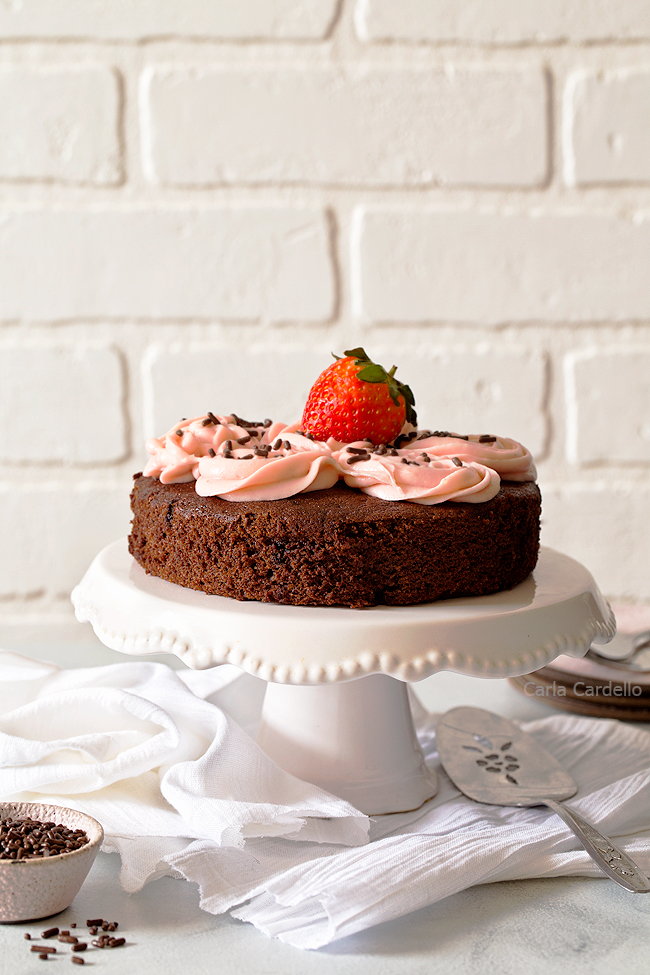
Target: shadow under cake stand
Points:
(336, 709)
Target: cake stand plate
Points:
(353, 737)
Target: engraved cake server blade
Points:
(491, 760)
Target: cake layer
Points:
(336, 546)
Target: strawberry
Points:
(356, 399)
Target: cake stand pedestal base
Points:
(355, 740)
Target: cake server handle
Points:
(600, 848)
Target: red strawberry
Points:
(356, 399)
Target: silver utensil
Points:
(629, 651)
(491, 760)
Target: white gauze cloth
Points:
(164, 761)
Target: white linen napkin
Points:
(163, 760)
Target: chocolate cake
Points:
(336, 546)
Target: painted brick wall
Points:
(199, 201)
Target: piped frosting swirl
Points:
(238, 460)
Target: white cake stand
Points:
(353, 737)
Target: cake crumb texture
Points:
(336, 546)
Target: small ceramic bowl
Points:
(35, 888)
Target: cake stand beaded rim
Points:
(584, 612)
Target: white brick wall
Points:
(607, 118)
(364, 125)
(51, 534)
(200, 201)
(60, 124)
(415, 265)
(502, 21)
(234, 264)
(143, 19)
(608, 406)
(50, 411)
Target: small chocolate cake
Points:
(336, 546)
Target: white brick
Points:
(60, 124)
(608, 406)
(606, 527)
(272, 382)
(232, 264)
(61, 404)
(459, 126)
(492, 389)
(133, 19)
(606, 119)
(502, 21)
(489, 268)
(50, 536)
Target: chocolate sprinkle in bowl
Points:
(46, 853)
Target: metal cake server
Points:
(629, 651)
(491, 760)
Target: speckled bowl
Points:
(36, 888)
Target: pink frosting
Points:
(298, 465)
(508, 458)
(175, 456)
(276, 461)
(401, 475)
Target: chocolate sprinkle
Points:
(404, 438)
(212, 452)
(243, 440)
(26, 839)
(277, 444)
(457, 461)
(486, 438)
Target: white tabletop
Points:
(571, 925)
